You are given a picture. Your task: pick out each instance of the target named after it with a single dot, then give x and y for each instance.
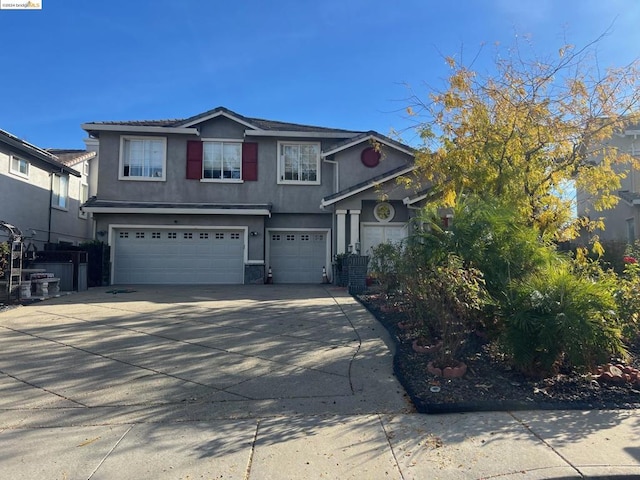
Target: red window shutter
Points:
(250, 162)
(194, 159)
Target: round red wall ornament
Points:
(370, 157)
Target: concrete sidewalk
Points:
(254, 382)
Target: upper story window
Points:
(60, 195)
(143, 158)
(299, 163)
(222, 160)
(19, 166)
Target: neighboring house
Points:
(622, 223)
(41, 192)
(221, 198)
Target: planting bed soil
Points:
(489, 382)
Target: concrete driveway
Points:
(161, 354)
(250, 383)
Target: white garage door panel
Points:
(297, 256)
(373, 235)
(180, 256)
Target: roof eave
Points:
(325, 203)
(179, 211)
(36, 152)
(297, 134)
(368, 138)
(102, 127)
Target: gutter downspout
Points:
(51, 175)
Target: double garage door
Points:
(178, 256)
(298, 256)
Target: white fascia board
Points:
(366, 187)
(412, 200)
(293, 134)
(138, 129)
(219, 114)
(366, 139)
(179, 211)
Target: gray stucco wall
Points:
(299, 221)
(616, 219)
(26, 203)
(176, 188)
(353, 171)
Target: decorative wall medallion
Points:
(370, 157)
(384, 212)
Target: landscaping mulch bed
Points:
(490, 383)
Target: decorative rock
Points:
(447, 372)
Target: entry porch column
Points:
(341, 233)
(355, 231)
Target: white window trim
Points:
(376, 214)
(121, 176)
(222, 180)
(281, 179)
(18, 173)
(66, 196)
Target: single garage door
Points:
(297, 256)
(178, 256)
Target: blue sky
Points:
(335, 63)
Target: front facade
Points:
(622, 223)
(41, 192)
(224, 198)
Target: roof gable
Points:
(366, 185)
(255, 126)
(372, 137)
(71, 157)
(216, 112)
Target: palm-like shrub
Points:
(559, 317)
(495, 239)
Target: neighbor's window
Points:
(143, 158)
(60, 196)
(222, 160)
(299, 163)
(19, 166)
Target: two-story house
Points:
(41, 192)
(622, 223)
(223, 198)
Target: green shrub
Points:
(491, 237)
(559, 317)
(454, 297)
(384, 265)
(628, 298)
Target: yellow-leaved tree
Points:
(529, 131)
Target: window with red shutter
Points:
(194, 160)
(250, 162)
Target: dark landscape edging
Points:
(423, 406)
